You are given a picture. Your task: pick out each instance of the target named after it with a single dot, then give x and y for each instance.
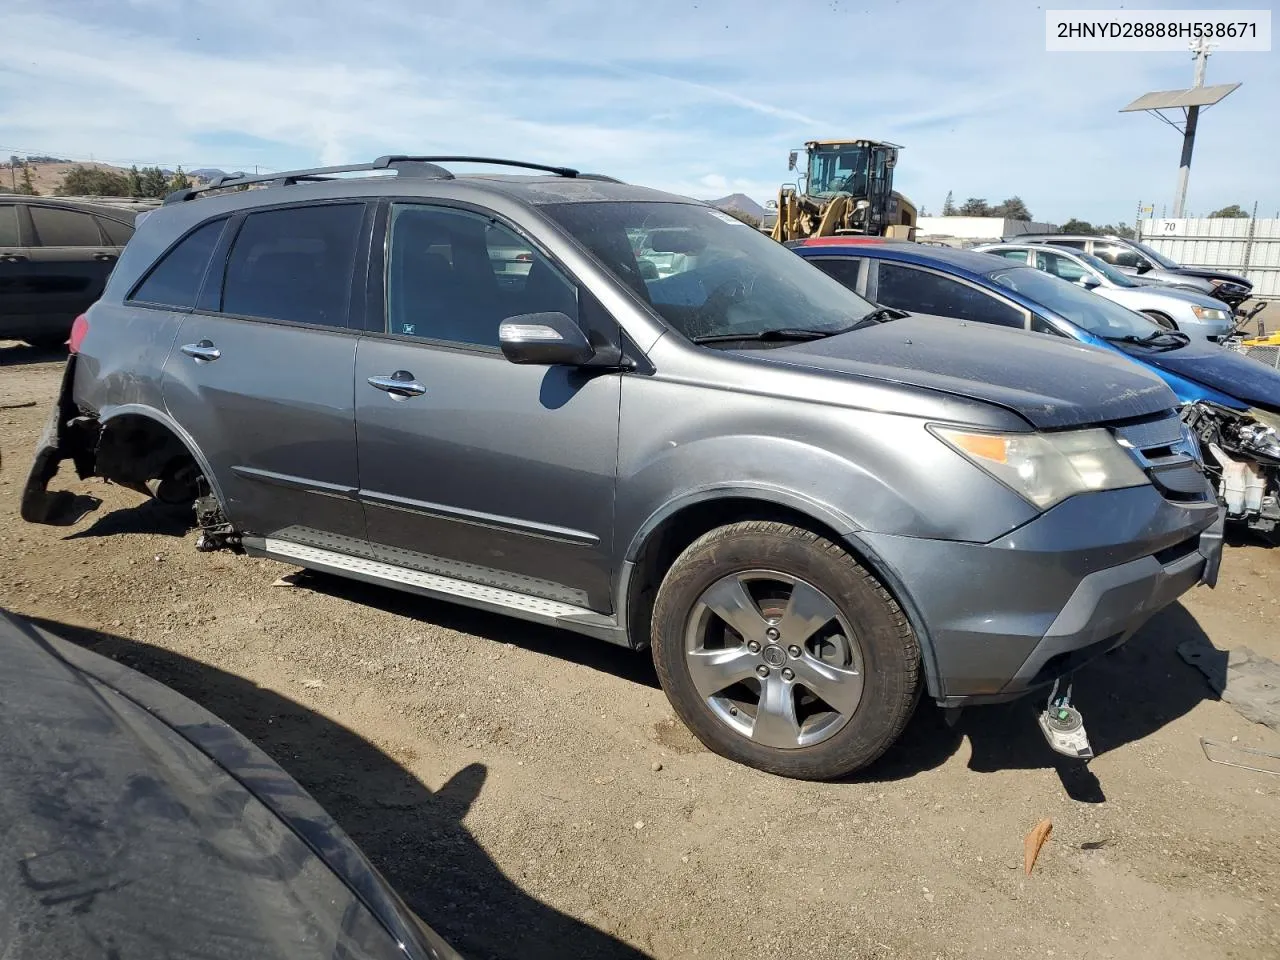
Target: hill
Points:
(46, 177)
(740, 202)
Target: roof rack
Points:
(403, 165)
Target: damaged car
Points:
(811, 510)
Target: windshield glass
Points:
(706, 273)
(1100, 317)
(836, 170)
(1159, 258)
(1107, 270)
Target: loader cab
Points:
(861, 169)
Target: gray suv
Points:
(812, 509)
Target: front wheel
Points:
(780, 651)
(1160, 318)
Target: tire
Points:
(1160, 318)
(48, 341)
(776, 581)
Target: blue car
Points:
(1231, 402)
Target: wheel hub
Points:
(773, 655)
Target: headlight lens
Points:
(1209, 313)
(1046, 468)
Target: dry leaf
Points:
(1033, 842)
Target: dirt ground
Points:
(531, 795)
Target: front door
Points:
(471, 466)
(262, 378)
(15, 295)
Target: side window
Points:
(455, 276)
(9, 226)
(1116, 253)
(117, 233)
(1060, 266)
(1040, 325)
(1076, 244)
(844, 269)
(175, 280)
(56, 227)
(294, 264)
(922, 292)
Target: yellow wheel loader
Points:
(847, 188)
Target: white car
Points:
(1196, 314)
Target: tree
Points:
(1076, 226)
(181, 181)
(975, 207)
(1233, 212)
(734, 212)
(1012, 209)
(135, 181)
(81, 181)
(948, 206)
(26, 187)
(154, 183)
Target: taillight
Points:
(78, 330)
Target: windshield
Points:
(1159, 258)
(1107, 270)
(707, 274)
(1099, 316)
(837, 170)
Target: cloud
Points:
(702, 100)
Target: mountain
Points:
(207, 173)
(740, 202)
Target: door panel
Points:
(70, 261)
(15, 290)
(273, 414)
(498, 473)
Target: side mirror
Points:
(1090, 282)
(1143, 266)
(544, 338)
(792, 158)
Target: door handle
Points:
(202, 352)
(11, 258)
(401, 385)
(105, 257)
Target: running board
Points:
(481, 596)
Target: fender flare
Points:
(843, 525)
(109, 415)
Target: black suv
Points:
(1141, 260)
(55, 256)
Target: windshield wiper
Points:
(1160, 338)
(782, 333)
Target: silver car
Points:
(1196, 314)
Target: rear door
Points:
(70, 260)
(479, 469)
(921, 290)
(15, 299)
(261, 372)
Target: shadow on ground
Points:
(413, 835)
(1124, 696)
(149, 517)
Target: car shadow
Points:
(148, 517)
(413, 835)
(1123, 696)
(17, 354)
(548, 641)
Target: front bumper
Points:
(1007, 617)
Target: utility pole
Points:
(1201, 51)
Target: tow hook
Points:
(1063, 725)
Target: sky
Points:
(700, 97)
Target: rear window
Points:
(56, 227)
(294, 265)
(175, 280)
(117, 233)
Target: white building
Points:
(970, 230)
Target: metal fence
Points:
(1245, 246)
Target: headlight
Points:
(1209, 313)
(1266, 418)
(1046, 468)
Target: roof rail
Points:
(403, 165)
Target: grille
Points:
(1169, 455)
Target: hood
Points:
(121, 831)
(1206, 274)
(1050, 382)
(1223, 370)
